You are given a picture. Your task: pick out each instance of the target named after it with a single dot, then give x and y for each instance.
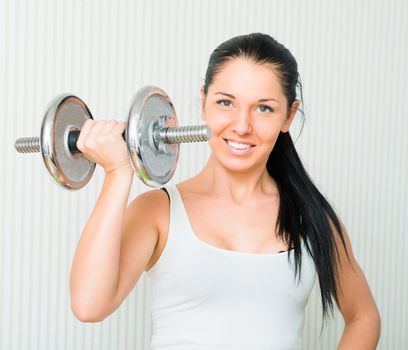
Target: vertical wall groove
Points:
(352, 59)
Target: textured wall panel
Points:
(352, 57)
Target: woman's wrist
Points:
(119, 171)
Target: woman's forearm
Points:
(361, 334)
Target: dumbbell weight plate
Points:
(64, 113)
(150, 107)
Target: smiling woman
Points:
(233, 252)
(247, 120)
(252, 200)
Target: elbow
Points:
(369, 323)
(374, 322)
(87, 318)
(85, 314)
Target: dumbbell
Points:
(152, 136)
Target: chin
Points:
(236, 165)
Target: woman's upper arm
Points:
(354, 295)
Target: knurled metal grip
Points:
(183, 134)
(152, 136)
(28, 145)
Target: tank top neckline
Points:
(222, 250)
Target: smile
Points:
(238, 148)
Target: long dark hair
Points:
(304, 213)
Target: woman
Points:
(234, 251)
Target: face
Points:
(246, 110)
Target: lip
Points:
(239, 141)
(237, 151)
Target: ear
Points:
(292, 112)
(202, 103)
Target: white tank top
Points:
(209, 298)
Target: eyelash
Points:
(222, 101)
(265, 106)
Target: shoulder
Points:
(153, 203)
(148, 212)
(149, 198)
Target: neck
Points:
(240, 187)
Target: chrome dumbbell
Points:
(152, 136)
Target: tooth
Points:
(240, 146)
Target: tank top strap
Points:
(179, 226)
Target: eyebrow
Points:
(232, 96)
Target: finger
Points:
(86, 128)
(107, 128)
(119, 128)
(96, 129)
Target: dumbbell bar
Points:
(152, 136)
(183, 134)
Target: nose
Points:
(242, 123)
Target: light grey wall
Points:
(352, 57)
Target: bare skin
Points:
(251, 233)
(235, 187)
(232, 184)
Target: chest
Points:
(243, 228)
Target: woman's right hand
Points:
(102, 142)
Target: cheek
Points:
(267, 135)
(218, 121)
(267, 129)
(270, 132)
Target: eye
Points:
(265, 108)
(224, 103)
